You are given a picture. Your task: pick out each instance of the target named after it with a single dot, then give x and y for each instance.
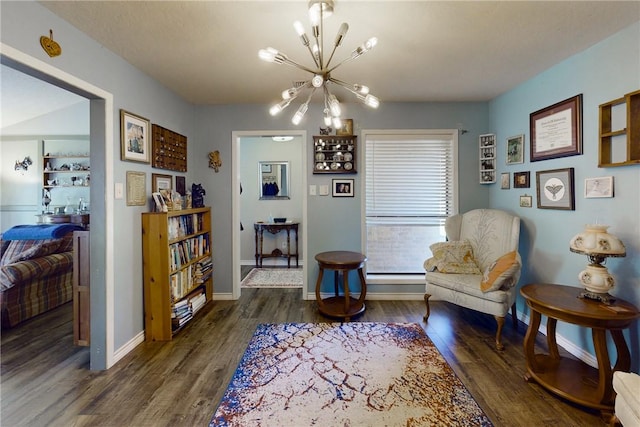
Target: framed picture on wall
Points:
(161, 182)
(504, 180)
(515, 149)
(135, 138)
(556, 131)
(526, 201)
(598, 187)
(342, 188)
(555, 189)
(521, 179)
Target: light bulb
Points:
(300, 30)
(268, 54)
(342, 32)
(364, 47)
(334, 105)
(297, 117)
(317, 80)
(371, 101)
(361, 89)
(275, 109)
(289, 93)
(337, 123)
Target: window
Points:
(410, 189)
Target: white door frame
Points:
(235, 202)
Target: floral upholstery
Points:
(491, 233)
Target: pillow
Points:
(452, 257)
(21, 250)
(499, 272)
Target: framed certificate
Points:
(556, 131)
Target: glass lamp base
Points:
(605, 298)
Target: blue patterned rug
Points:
(345, 374)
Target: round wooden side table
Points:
(343, 306)
(569, 378)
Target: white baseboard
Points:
(227, 296)
(128, 347)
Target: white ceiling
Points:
(206, 51)
(23, 97)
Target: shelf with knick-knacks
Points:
(334, 154)
(66, 174)
(487, 158)
(66, 171)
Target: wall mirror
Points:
(273, 180)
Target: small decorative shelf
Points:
(487, 158)
(619, 143)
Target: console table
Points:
(275, 228)
(569, 378)
(344, 306)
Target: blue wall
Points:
(601, 73)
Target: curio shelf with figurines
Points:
(335, 154)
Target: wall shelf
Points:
(618, 145)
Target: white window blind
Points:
(410, 189)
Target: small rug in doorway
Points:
(273, 278)
(345, 374)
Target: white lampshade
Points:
(595, 240)
(598, 245)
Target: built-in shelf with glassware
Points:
(66, 175)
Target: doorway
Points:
(241, 171)
(101, 247)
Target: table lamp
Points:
(597, 245)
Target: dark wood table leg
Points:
(318, 285)
(296, 230)
(529, 344)
(363, 287)
(288, 248)
(347, 297)
(551, 338)
(604, 393)
(623, 361)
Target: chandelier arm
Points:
(344, 85)
(331, 57)
(291, 63)
(340, 63)
(315, 60)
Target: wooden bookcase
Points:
(619, 143)
(176, 257)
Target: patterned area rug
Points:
(345, 374)
(273, 278)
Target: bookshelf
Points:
(177, 268)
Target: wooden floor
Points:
(46, 381)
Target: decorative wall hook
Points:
(51, 47)
(214, 160)
(23, 165)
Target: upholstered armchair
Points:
(478, 267)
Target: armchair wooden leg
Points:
(500, 321)
(514, 316)
(426, 301)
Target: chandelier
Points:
(320, 78)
